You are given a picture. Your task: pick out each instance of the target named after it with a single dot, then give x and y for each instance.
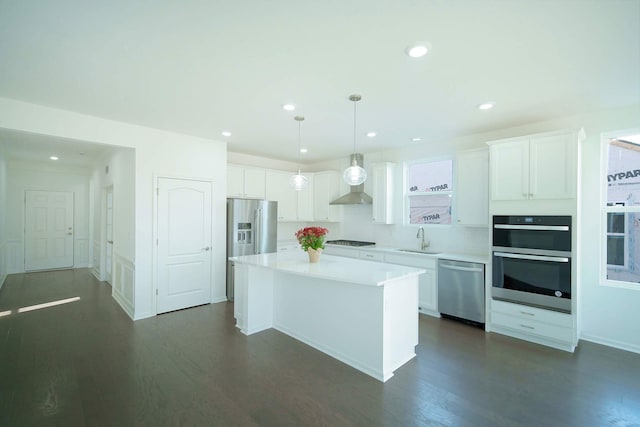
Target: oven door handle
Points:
(532, 227)
(531, 257)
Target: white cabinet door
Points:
(278, 189)
(235, 181)
(254, 183)
(245, 182)
(326, 188)
(510, 170)
(383, 193)
(535, 167)
(473, 188)
(552, 167)
(427, 284)
(428, 292)
(305, 200)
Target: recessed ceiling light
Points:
(416, 139)
(289, 107)
(53, 157)
(486, 105)
(226, 133)
(303, 150)
(418, 50)
(371, 134)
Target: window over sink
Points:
(428, 191)
(621, 210)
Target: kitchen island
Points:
(360, 312)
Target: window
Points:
(428, 190)
(621, 211)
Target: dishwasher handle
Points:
(458, 268)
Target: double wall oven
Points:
(532, 261)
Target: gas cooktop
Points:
(350, 243)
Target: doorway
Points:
(48, 232)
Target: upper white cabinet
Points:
(326, 188)
(279, 190)
(245, 182)
(293, 205)
(383, 192)
(305, 200)
(535, 167)
(473, 187)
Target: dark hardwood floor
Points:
(86, 363)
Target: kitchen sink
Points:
(418, 251)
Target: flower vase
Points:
(314, 254)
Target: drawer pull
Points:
(527, 313)
(527, 327)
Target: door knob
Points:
(207, 248)
(69, 233)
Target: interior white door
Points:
(48, 234)
(108, 261)
(184, 243)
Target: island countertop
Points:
(331, 267)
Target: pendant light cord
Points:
(354, 126)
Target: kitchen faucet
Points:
(420, 235)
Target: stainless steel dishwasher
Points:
(461, 289)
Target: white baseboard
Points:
(219, 299)
(123, 304)
(611, 343)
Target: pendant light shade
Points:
(298, 181)
(354, 174)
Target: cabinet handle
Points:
(526, 313)
(530, 194)
(524, 195)
(527, 327)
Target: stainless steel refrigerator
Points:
(252, 228)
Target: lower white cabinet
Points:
(545, 327)
(427, 284)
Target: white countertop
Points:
(335, 268)
(457, 256)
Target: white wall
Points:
(3, 211)
(22, 176)
(157, 153)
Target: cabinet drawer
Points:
(532, 327)
(531, 313)
(372, 256)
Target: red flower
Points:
(311, 237)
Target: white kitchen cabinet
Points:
(278, 189)
(427, 284)
(539, 167)
(473, 187)
(305, 200)
(245, 182)
(293, 205)
(534, 324)
(383, 192)
(326, 188)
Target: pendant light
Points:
(354, 174)
(298, 181)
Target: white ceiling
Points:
(201, 67)
(38, 148)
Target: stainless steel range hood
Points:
(356, 195)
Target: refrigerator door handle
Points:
(258, 231)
